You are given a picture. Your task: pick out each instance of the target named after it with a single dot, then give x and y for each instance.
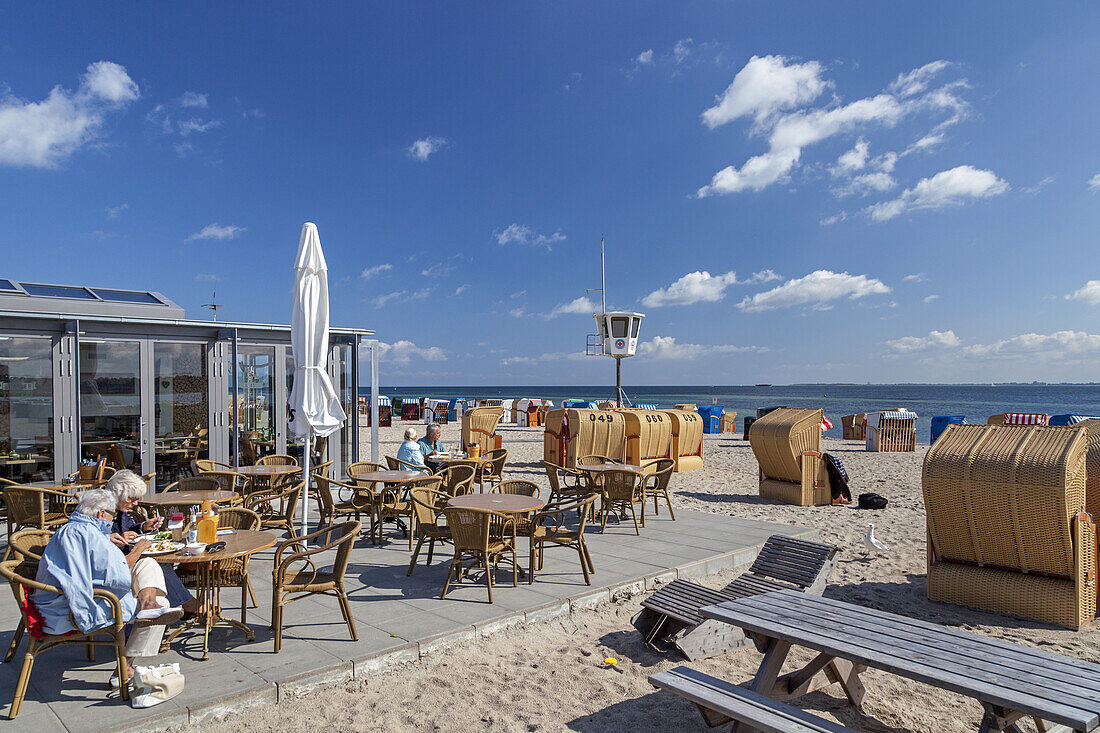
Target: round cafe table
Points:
(262, 477)
(186, 498)
(610, 467)
(212, 571)
(505, 503)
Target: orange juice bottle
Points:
(208, 525)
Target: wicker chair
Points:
(308, 580)
(655, 485)
(22, 586)
(26, 547)
(517, 486)
(202, 465)
(361, 501)
(787, 445)
(492, 470)
(593, 459)
(548, 528)
(396, 464)
(360, 467)
(234, 572)
(457, 480)
(481, 539)
(229, 480)
(276, 506)
(36, 508)
(1006, 529)
(619, 492)
(566, 483)
(204, 482)
(277, 459)
(427, 506)
(321, 469)
(392, 502)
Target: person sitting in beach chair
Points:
(80, 558)
(409, 453)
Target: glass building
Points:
(95, 372)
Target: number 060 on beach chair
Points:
(784, 563)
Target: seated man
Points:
(80, 558)
(128, 488)
(430, 445)
(410, 452)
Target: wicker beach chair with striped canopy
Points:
(891, 431)
(1018, 418)
(1006, 527)
(787, 445)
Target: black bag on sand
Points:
(872, 501)
(838, 479)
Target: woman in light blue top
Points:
(410, 452)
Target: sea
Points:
(976, 401)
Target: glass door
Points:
(254, 406)
(181, 408)
(26, 409)
(110, 403)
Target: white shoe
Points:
(158, 616)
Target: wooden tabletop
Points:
(244, 542)
(507, 503)
(58, 486)
(268, 470)
(995, 672)
(181, 498)
(449, 460)
(610, 467)
(386, 477)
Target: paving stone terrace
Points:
(398, 618)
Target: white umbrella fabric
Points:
(314, 407)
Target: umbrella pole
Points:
(305, 477)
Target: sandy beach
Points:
(550, 676)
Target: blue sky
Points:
(790, 191)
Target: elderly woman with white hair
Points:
(80, 558)
(410, 452)
(129, 488)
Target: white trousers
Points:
(145, 641)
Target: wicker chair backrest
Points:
(518, 486)
(457, 479)
(426, 504)
(277, 459)
(1006, 496)
(779, 438)
(619, 485)
(25, 506)
(238, 518)
(469, 527)
(359, 467)
(195, 483)
(29, 544)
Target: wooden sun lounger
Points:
(784, 563)
(719, 702)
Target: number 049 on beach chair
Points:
(784, 563)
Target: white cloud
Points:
(836, 218)
(681, 50)
(370, 272)
(216, 231)
(865, 184)
(518, 294)
(194, 100)
(404, 351)
(764, 86)
(917, 80)
(694, 287)
(43, 134)
(1094, 183)
(947, 188)
(666, 348)
(522, 234)
(816, 289)
(1054, 345)
(508, 361)
(853, 160)
(790, 132)
(582, 305)
(930, 298)
(194, 124)
(914, 278)
(113, 212)
(421, 149)
(1043, 183)
(645, 58)
(401, 296)
(462, 289)
(1089, 292)
(204, 277)
(934, 339)
(517, 312)
(926, 143)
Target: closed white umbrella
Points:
(314, 407)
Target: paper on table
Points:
(228, 530)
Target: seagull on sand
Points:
(872, 542)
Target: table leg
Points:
(999, 719)
(847, 674)
(770, 666)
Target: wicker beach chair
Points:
(891, 431)
(854, 427)
(1006, 529)
(479, 426)
(787, 445)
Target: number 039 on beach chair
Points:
(784, 563)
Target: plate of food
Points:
(152, 537)
(163, 547)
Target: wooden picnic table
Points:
(1008, 680)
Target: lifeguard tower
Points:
(616, 333)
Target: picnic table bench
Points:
(1008, 680)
